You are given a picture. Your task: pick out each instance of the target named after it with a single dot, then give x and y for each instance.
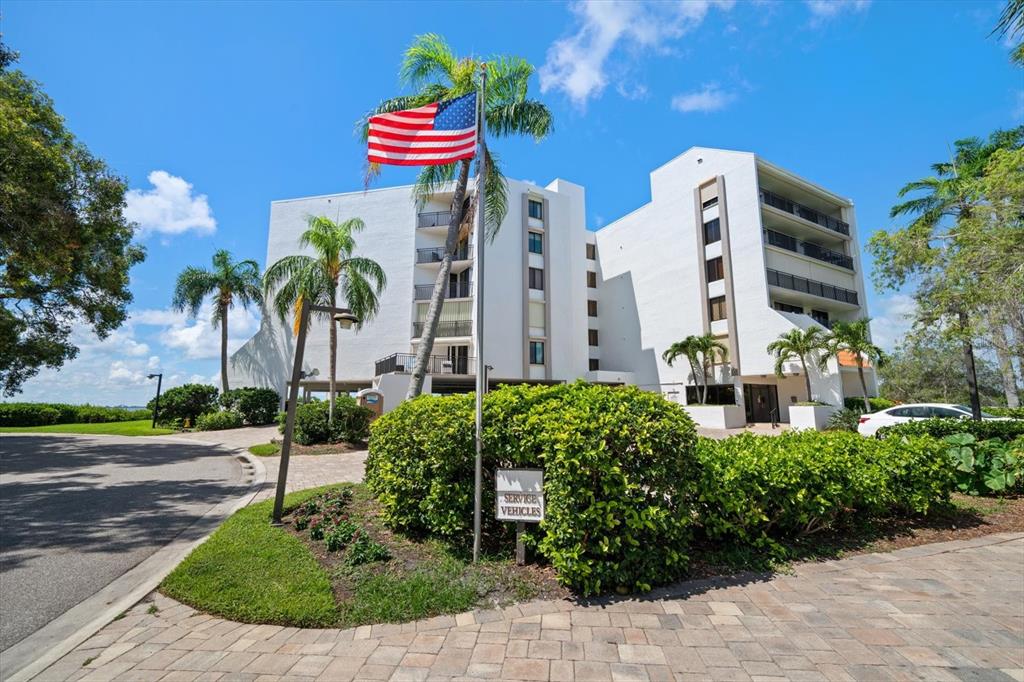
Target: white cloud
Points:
(124, 374)
(709, 98)
(578, 64)
(199, 339)
(170, 207)
(154, 362)
(889, 328)
(824, 10)
(1018, 106)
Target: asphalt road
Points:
(76, 512)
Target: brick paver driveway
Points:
(950, 611)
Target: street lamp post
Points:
(156, 403)
(345, 320)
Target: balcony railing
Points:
(805, 212)
(436, 254)
(809, 286)
(422, 292)
(434, 219)
(784, 241)
(446, 328)
(436, 364)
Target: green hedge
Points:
(857, 403)
(351, 422)
(1012, 412)
(44, 414)
(182, 405)
(256, 406)
(940, 428)
(760, 489)
(219, 421)
(619, 466)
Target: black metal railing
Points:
(805, 212)
(809, 286)
(436, 254)
(436, 364)
(434, 219)
(446, 328)
(785, 241)
(422, 292)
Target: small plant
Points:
(219, 421)
(845, 419)
(152, 609)
(364, 550)
(317, 527)
(301, 521)
(339, 536)
(987, 466)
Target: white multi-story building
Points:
(729, 244)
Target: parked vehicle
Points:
(870, 423)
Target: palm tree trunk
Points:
(696, 379)
(429, 332)
(334, 367)
(224, 348)
(1001, 344)
(972, 374)
(704, 377)
(863, 383)
(807, 379)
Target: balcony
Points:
(809, 286)
(436, 364)
(436, 254)
(446, 328)
(433, 219)
(806, 212)
(422, 292)
(784, 241)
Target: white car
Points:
(870, 423)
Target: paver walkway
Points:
(950, 611)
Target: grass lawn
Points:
(253, 572)
(140, 427)
(265, 449)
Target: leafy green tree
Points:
(934, 251)
(687, 349)
(187, 403)
(65, 245)
(928, 368)
(227, 282)
(434, 72)
(1011, 24)
(805, 345)
(315, 280)
(702, 352)
(855, 338)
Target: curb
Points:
(44, 647)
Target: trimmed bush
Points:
(857, 403)
(760, 489)
(186, 403)
(619, 468)
(846, 419)
(218, 421)
(940, 428)
(1012, 412)
(256, 405)
(986, 467)
(351, 422)
(43, 414)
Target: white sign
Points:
(520, 495)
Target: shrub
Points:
(759, 489)
(351, 422)
(1012, 412)
(940, 428)
(365, 550)
(857, 403)
(27, 414)
(43, 414)
(619, 469)
(845, 419)
(218, 421)
(988, 466)
(186, 403)
(256, 405)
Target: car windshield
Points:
(984, 415)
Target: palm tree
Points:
(226, 282)
(855, 338)
(803, 344)
(315, 280)
(431, 69)
(1011, 25)
(701, 352)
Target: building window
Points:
(712, 231)
(821, 317)
(537, 279)
(708, 203)
(595, 364)
(716, 307)
(718, 394)
(592, 336)
(788, 307)
(591, 251)
(591, 308)
(536, 242)
(537, 316)
(716, 269)
(592, 280)
(536, 352)
(536, 209)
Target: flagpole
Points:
(478, 299)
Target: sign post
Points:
(520, 498)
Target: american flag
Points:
(438, 133)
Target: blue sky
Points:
(213, 110)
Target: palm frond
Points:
(508, 79)
(192, 286)
(431, 180)
(495, 196)
(428, 57)
(528, 117)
